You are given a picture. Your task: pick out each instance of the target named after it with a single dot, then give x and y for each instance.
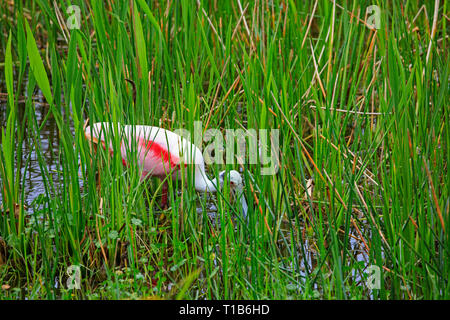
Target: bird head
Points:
(234, 178)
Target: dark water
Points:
(30, 172)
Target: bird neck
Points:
(202, 183)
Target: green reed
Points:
(363, 121)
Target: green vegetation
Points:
(363, 117)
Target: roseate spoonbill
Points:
(161, 152)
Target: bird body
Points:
(159, 152)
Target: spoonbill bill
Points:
(159, 153)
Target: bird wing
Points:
(157, 150)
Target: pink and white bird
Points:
(161, 152)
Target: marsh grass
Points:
(363, 179)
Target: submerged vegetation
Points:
(359, 205)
